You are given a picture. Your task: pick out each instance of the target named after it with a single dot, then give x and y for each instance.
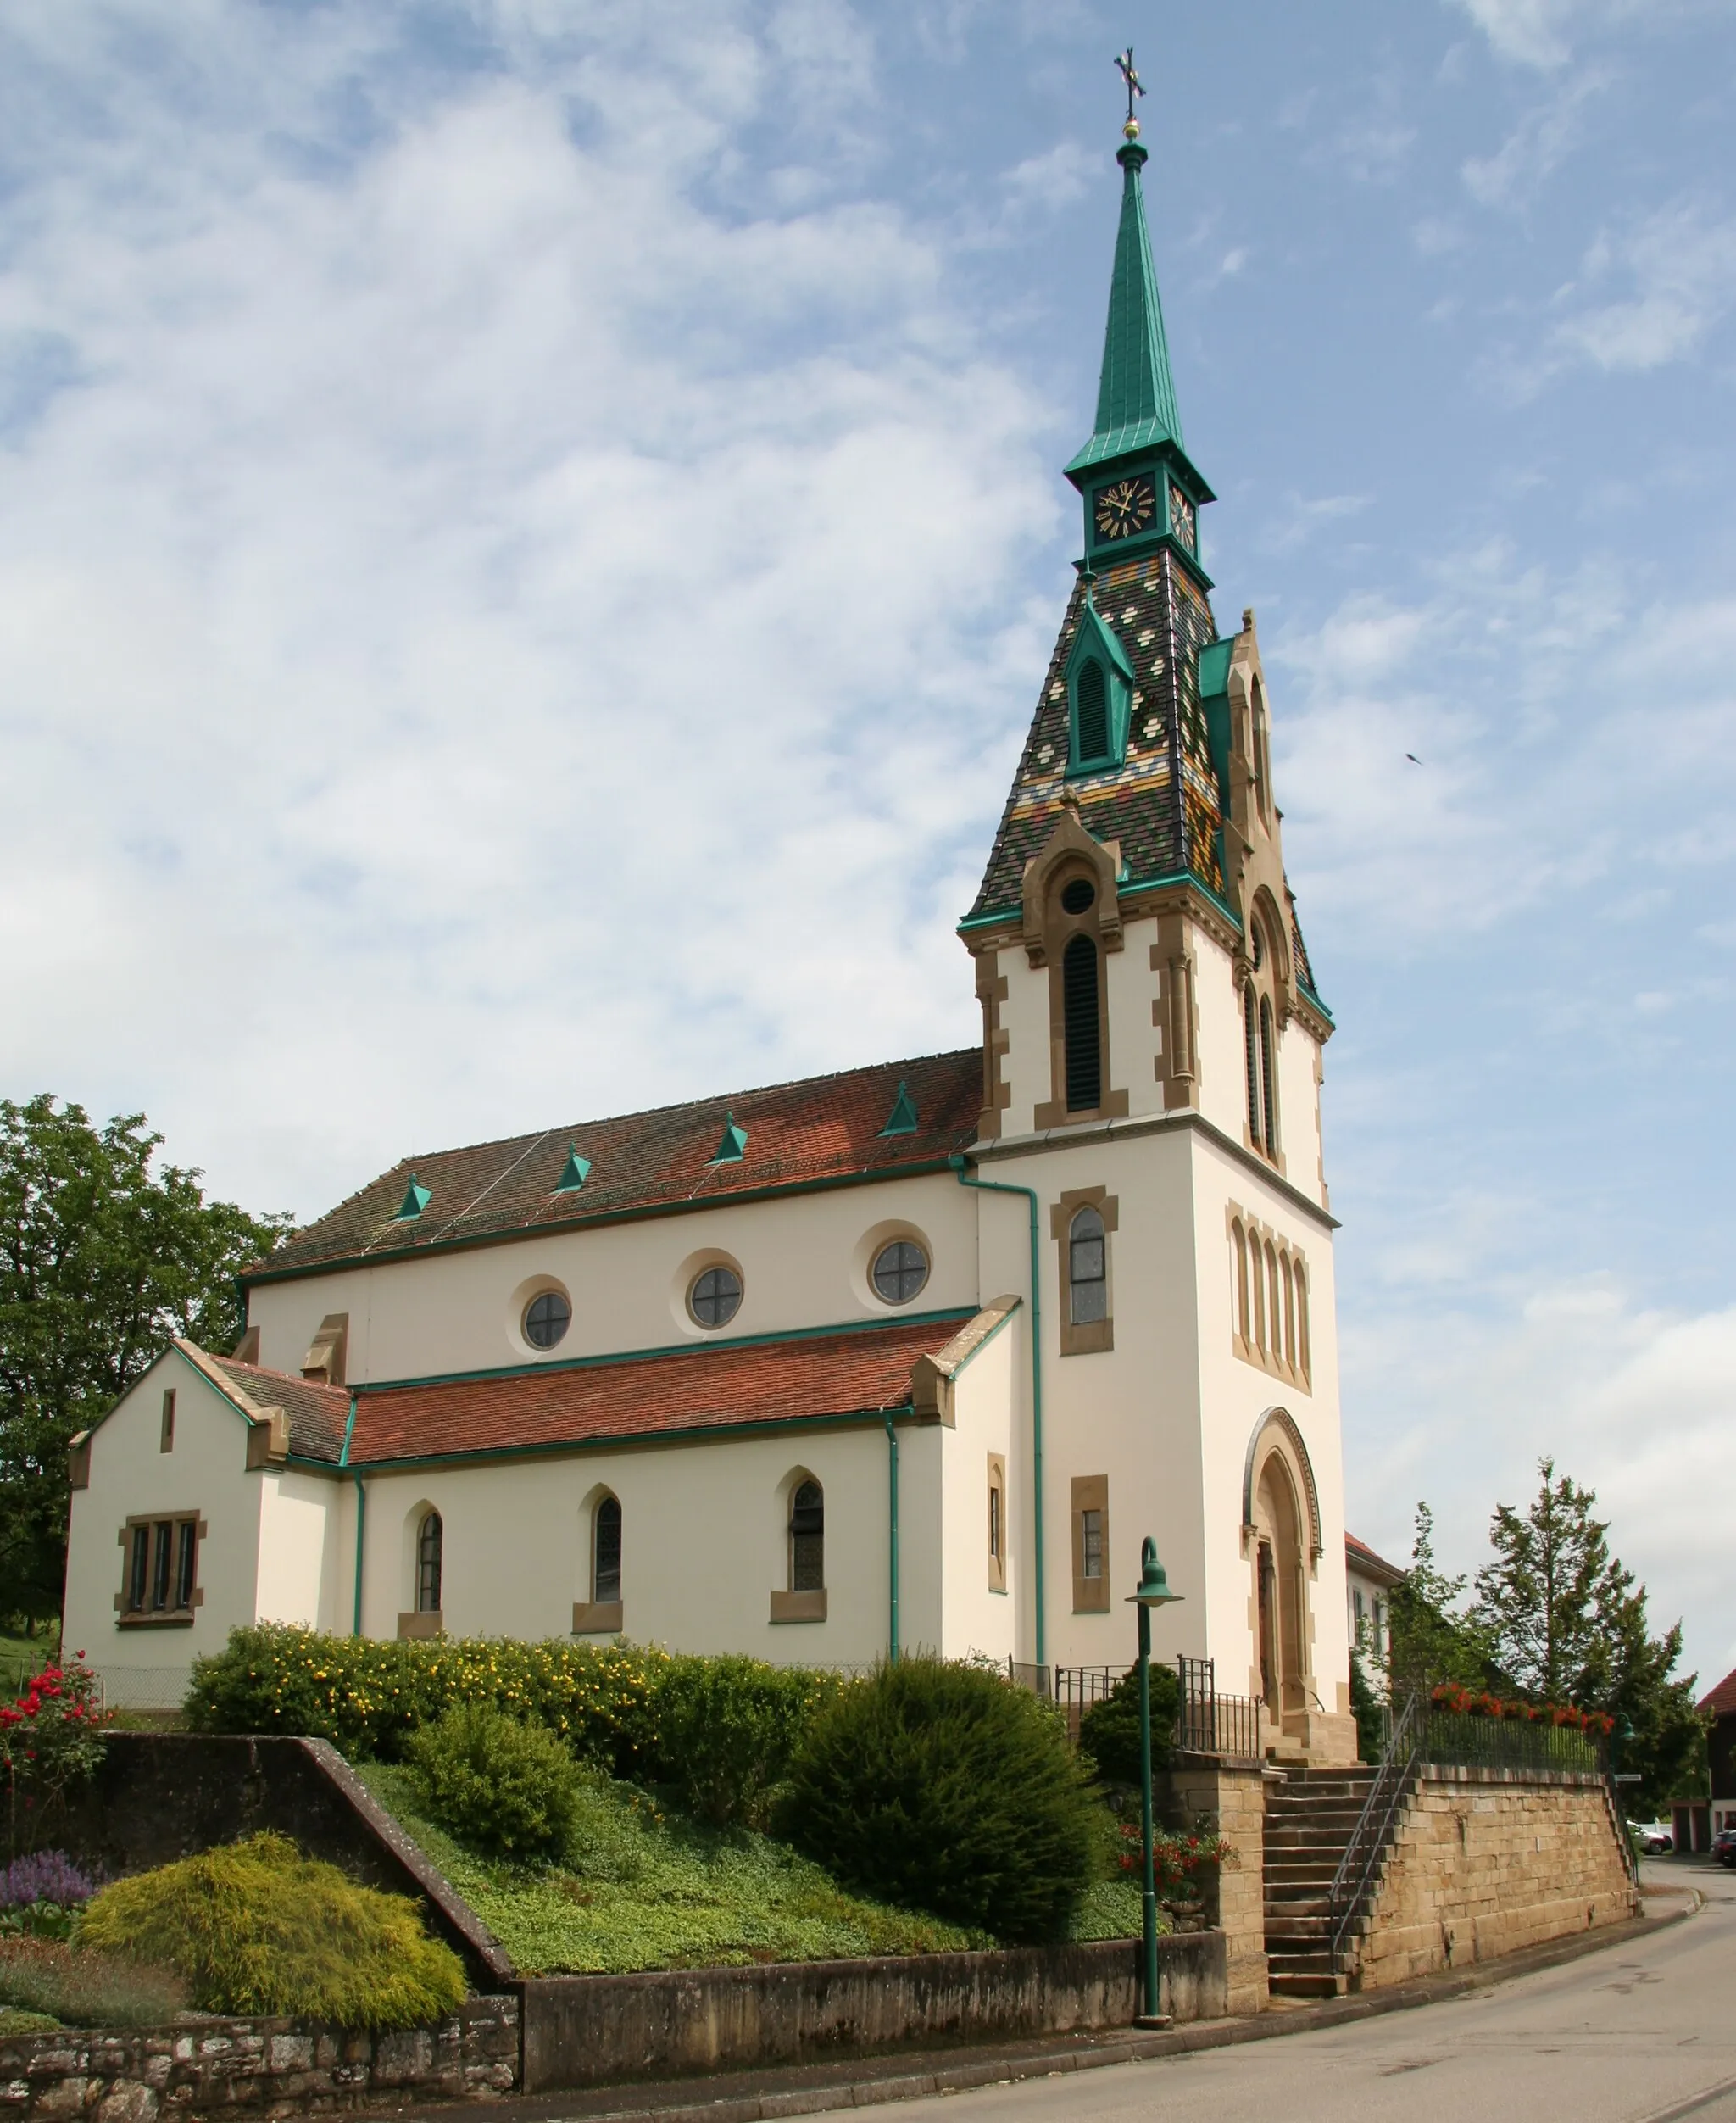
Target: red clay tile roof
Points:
(649, 1396)
(1722, 1699)
(1359, 1554)
(316, 1414)
(825, 1127)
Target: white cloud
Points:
(479, 625)
(1536, 148)
(1543, 33)
(1679, 264)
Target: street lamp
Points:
(1153, 1591)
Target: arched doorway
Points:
(1281, 1592)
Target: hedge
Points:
(634, 1712)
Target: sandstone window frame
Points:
(1091, 1544)
(601, 1613)
(803, 1596)
(997, 1527)
(159, 1569)
(1085, 1338)
(1269, 1283)
(165, 1438)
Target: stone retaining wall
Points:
(583, 2030)
(1232, 1794)
(1486, 1861)
(269, 2066)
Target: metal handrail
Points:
(1368, 1839)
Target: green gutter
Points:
(870, 1176)
(892, 1476)
(997, 1186)
(674, 1348)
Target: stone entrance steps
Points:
(1309, 1820)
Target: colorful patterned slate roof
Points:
(731, 1386)
(1162, 803)
(1722, 1699)
(822, 1127)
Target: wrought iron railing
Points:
(1077, 1687)
(1357, 1867)
(1207, 1723)
(1456, 1740)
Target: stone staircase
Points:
(1309, 1820)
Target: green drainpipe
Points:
(997, 1186)
(892, 1475)
(361, 1512)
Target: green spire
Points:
(1136, 398)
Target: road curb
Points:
(796, 2090)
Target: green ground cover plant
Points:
(639, 1887)
(937, 1786)
(47, 1979)
(258, 1928)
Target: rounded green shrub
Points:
(727, 1728)
(504, 1785)
(1109, 1731)
(943, 1787)
(258, 1928)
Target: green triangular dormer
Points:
(416, 1198)
(903, 1114)
(1099, 676)
(731, 1144)
(574, 1174)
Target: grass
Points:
(639, 1888)
(43, 1978)
(21, 1656)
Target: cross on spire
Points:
(1135, 86)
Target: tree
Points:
(1566, 1623)
(101, 1261)
(1432, 1640)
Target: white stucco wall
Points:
(132, 1477)
(804, 1260)
(988, 1394)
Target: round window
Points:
(547, 1318)
(1076, 896)
(716, 1297)
(900, 1270)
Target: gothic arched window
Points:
(430, 1545)
(1079, 1005)
(1251, 1043)
(605, 1551)
(1088, 1269)
(807, 1538)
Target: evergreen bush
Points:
(508, 1787)
(258, 1928)
(943, 1787)
(726, 1730)
(1109, 1731)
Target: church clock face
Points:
(1124, 508)
(1182, 524)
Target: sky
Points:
(530, 535)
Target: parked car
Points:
(1724, 1846)
(1656, 1838)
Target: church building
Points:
(913, 1356)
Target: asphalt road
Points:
(1639, 2034)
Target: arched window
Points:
(1256, 1282)
(1088, 1269)
(1268, 1079)
(605, 1551)
(807, 1538)
(1240, 1240)
(1250, 1041)
(430, 1541)
(1304, 1358)
(1079, 1025)
(1287, 1278)
(1091, 699)
(1275, 1306)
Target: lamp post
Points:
(1153, 1591)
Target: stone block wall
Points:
(273, 2067)
(1485, 1862)
(1233, 1795)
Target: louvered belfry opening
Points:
(1093, 710)
(1079, 1025)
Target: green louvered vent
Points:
(1092, 694)
(1079, 1017)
